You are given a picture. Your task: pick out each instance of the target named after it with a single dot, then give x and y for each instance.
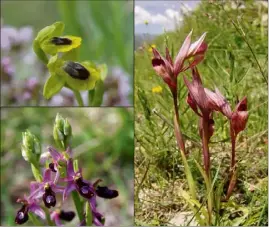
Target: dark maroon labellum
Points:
(84, 189)
(106, 193)
(52, 167)
(22, 215)
(67, 215)
(76, 70)
(49, 197)
(61, 41)
(157, 62)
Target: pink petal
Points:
(47, 175)
(168, 56)
(37, 210)
(196, 46)
(70, 168)
(54, 154)
(69, 188)
(182, 54)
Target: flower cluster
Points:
(65, 70)
(63, 176)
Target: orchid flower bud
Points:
(62, 132)
(31, 148)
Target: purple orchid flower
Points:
(76, 182)
(58, 160)
(30, 204)
(47, 189)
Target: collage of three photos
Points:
(134, 113)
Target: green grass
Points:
(236, 62)
(102, 142)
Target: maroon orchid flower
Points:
(47, 189)
(60, 215)
(169, 70)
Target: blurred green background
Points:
(102, 142)
(106, 28)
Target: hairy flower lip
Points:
(76, 70)
(105, 192)
(49, 197)
(67, 215)
(22, 215)
(61, 41)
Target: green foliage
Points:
(235, 62)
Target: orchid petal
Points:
(196, 46)
(182, 54)
(47, 175)
(70, 168)
(37, 210)
(54, 154)
(68, 189)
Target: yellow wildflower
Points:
(157, 89)
(151, 46)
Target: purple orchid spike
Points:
(29, 204)
(47, 189)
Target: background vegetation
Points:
(106, 28)
(236, 62)
(102, 141)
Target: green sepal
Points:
(50, 31)
(53, 85)
(98, 93)
(39, 52)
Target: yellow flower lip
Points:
(157, 89)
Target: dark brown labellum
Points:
(61, 41)
(84, 188)
(76, 70)
(49, 197)
(67, 215)
(106, 193)
(22, 215)
(52, 167)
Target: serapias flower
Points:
(60, 215)
(75, 75)
(169, 70)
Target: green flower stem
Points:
(78, 204)
(33, 219)
(88, 215)
(47, 213)
(78, 97)
(36, 172)
(90, 97)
